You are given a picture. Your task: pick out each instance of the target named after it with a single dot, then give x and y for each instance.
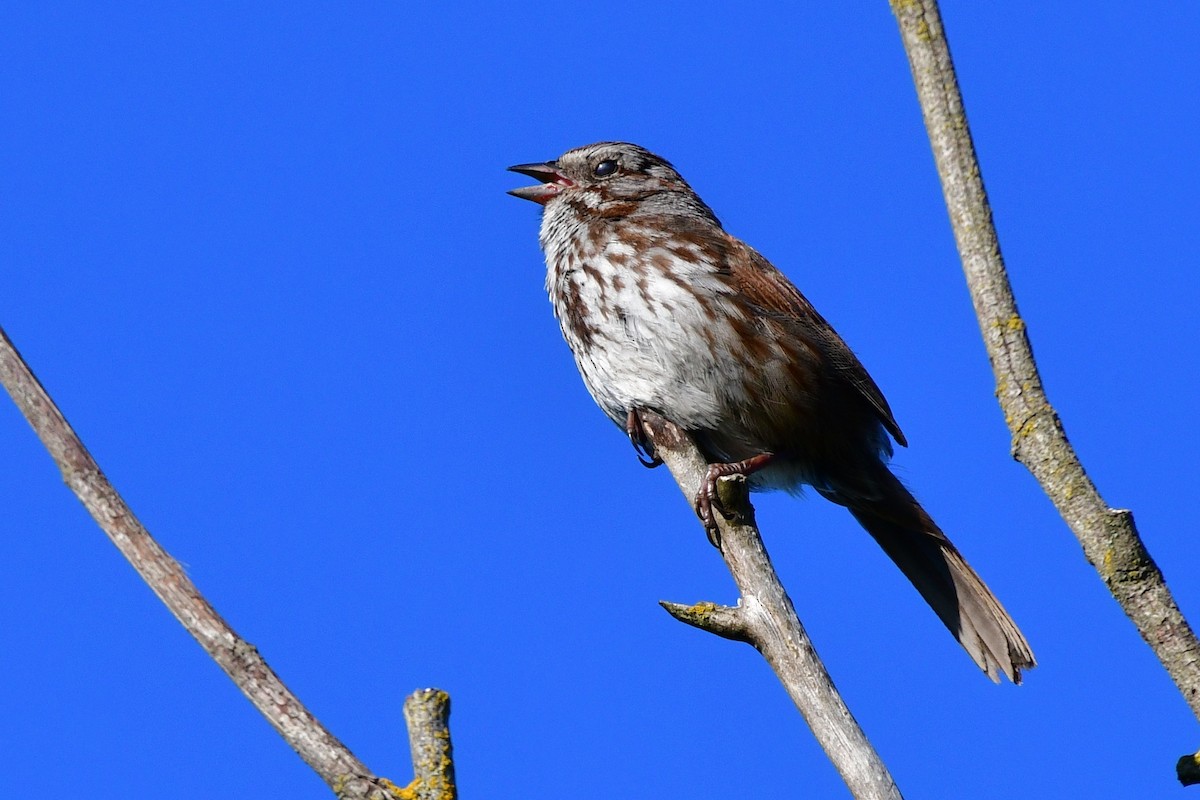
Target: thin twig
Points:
(1109, 538)
(765, 618)
(319, 748)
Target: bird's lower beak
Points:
(552, 182)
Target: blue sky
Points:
(263, 260)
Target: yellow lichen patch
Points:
(404, 793)
(440, 787)
(704, 608)
(1108, 562)
(1015, 323)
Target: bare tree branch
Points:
(319, 748)
(765, 618)
(428, 715)
(1109, 538)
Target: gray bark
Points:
(1108, 536)
(320, 749)
(765, 618)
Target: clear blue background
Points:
(263, 259)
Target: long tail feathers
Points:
(959, 596)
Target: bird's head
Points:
(611, 178)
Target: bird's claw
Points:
(708, 497)
(641, 443)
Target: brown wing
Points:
(763, 285)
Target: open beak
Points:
(552, 182)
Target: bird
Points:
(666, 312)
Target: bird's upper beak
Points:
(552, 182)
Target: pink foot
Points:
(707, 498)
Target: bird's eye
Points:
(605, 168)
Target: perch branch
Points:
(765, 618)
(1108, 536)
(319, 748)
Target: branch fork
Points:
(333, 761)
(765, 618)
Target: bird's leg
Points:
(707, 497)
(641, 443)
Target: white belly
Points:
(641, 340)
